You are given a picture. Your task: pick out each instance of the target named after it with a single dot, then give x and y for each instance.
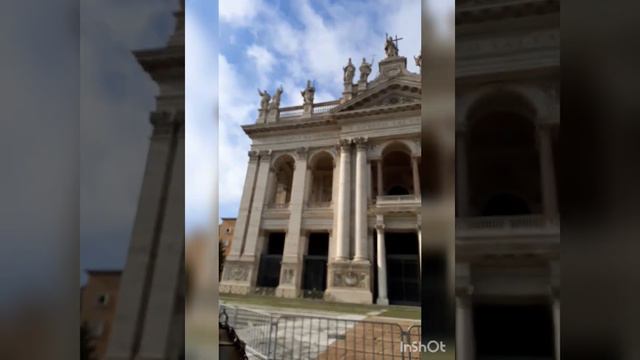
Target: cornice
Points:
(479, 11)
(330, 120)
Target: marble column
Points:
(370, 181)
(465, 347)
(271, 186)
(245, 205)
(547, 173)
(379, 178)
(257, 207)
(419, 231)
(361, 201)
(556, 323)
(462, 179)
(416, 176)
(381, 263)
(344, 194)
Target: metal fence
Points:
(293, 337)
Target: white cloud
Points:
(238, 12)
(237, 106)
(264, 62)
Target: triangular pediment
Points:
(390, 93)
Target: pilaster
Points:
(547, 172)
(245, 205)
(240, 273)
(289, 285)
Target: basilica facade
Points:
(507, 217)
(331, 199)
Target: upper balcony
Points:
(492, 237)
(490, 226)
(397, 202)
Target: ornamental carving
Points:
(237, 273)
(253, 155)
(350, 278)
(361, 142)
(344, 144)
(288, 275)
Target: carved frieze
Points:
(237, 272)
(508, 44)
(350, 278)
(288, 276)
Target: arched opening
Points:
(321, 167)
(283, 171)
(397, 175)
(504, 167)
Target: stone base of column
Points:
(238, 277)
(349, 282)
(290, 278)
(382, 301)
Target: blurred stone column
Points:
(462, 177)
(416, 176)
(547, 172)
(245, 205)
(379, 178)
(257, 207)
(465, 344)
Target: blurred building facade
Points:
(225, 233)
(507, 222)
(98, 307)
(331, 200)
(149, 319)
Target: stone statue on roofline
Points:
(391, 46)
(264, 100)
(365, 70)
(275, 100)
(307, 93)
(418, 59)
(349, 72)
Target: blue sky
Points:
(201, 91)
(265, 44)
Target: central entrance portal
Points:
(403, 268)
(314, 280)
(513, 331)
(269, 271)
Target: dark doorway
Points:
(269, 270)
(505, 204)
(314, 280)
(398, 190)
(513, 331)
(403, 268)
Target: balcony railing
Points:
(506, 223)
(410, 199)
(291, 112)
(324, 107)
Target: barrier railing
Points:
(289, 337)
